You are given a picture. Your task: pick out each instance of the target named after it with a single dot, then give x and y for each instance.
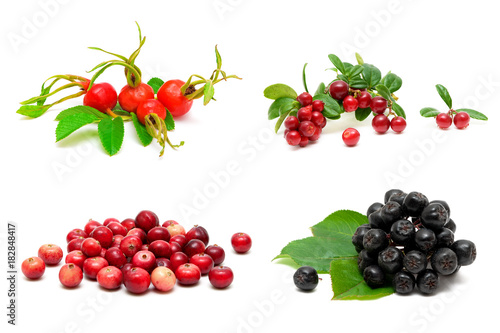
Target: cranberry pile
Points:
(137, 253)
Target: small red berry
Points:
(305, 99)
(307, 128)
(316, 135)
(398, 124)
(304, 141)
(110, 277)
(461, 120)
(350, 137)
(51, 254)
(221, 276)
(293, 138)
(339, 89)
(70, 275)
(188, 274)
(136, 280)
(318, 105)
(304, 113)
(317, 118)
(444, 120)
(217, 253)
(381, 123)
(33, 268)
(291, 123)
(204, 262)
(378, 104)
(241, 242)
(350, 104)
(364, 99)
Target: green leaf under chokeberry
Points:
(445, 95)
(155, 83)
(73, 122)
(141, 131)
(111, 132)
(340, 225)
(279, 106)
(429, 112)
(337, 63)
(392, 82)
(278, 90)
(81, 109)
(372, 75)
(473, 114)
(362, 114)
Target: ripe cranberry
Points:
(70, 275)
(91, 247)
(217, 253)
(136, 280)
(286, 132)
(163, 278)
(398, 124)
(461, 120)
(33, 268)
(75, 257)
(164, 262)
(75, 244)
(204, 262)
(318, 105)
(169, 222)
(304, 113)
(160, 249)
(221, 276)
(104, 235)
(92, 266)
(378, 104)
(198, 232)
(176, 229)
(241, 242)
(115, 257)
(317, 118)
(110, 277)
(144, 247)
(179, 239)
(175, 247)
(339, 90)
(350, 104)
(304, 141)
(364, 99)
(117, 228)
(307, 128)
(127, 267)
(90, 226)
(188, 274)
(444, 120)
(291, 123)
(145, 260)
(194, 246)
(130, 245)
(139, 233)
(293, 138)
(177, 259)
(50, 254)
(103, 252)
(158, 233)
(381, 123)
(316, 135)
(350, 137)
(146, 220)
(305, 99)
(75, 233)
(109, 220)
(129, 224)
(117, 239)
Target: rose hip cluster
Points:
(308, 124)
(411, 242)
(137, 253)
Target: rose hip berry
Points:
(461, 120)
(339, 90)
(351, 137)
(70, 275)
(33, 268)
(381, 123)
(350, 104)
(217, 253)
(188, 274)
(221, 277)
(130, 97)
(444, 120)
(50, 254)
(398, 124)
(293, 138)
(378, 104)
(110, 277)
(148, 107)
(305, 99)
(101, 96)
(241, 242)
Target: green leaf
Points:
(384, 92)
(398, 110)
(155, 83)
(111, 132)
(321, 89)
(141, 131)
(358, 83)
(169, 121)
(371, 74)
(362, 114)
(208, 92)
(278, 90)
(473, 114)
(71, 123)
(445, 95)
(218, 58)
(280, 106)
(281, 119)
(332, 108)
(359, 59)
(348, 283)
(304, 77)
(429, 112)
(32, 111)
(392, 82)
(355, 71)
(337, 62)
(81, 109)
(339, 225)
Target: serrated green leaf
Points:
(111, 132)
(359, 59)
(71, 123)
(429, 112)
(169, 121)
(362, 114)
(445, 95)
(321, 89)
(473, 114)
(337, 63)
(392, 82)
(141, 131)
(155, 83)
(279, 106)
(208, 92)
(398, 110)
(81, 109)
(383, 91)
(32, 111)
(340, 225)
(278, 90)
(348, 283)
(332, 109)
(371, 74)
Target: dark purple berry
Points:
(425, 239)
(375, 240)
(451, 225)
(365, 259)
(373, 207)
(306, 278)
(434, 216)
(403, 282)
(357, 238)
(445, 237)
(465, 250)
(391, 212)
(402, 232)
(390, 260)
(427, 281)
(374, 276)
(414, 203)
(389, 193)
(444, 261)
(415, 261)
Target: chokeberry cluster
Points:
(410, 241)
(307, 125)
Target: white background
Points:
(278, 191)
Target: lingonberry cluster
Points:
(137, 253)
(410, 241)
(307, 124)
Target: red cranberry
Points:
(188, 274)
(350, 104)
(91, 247)
(221, 276)
(378, 104)
(291, 123)
(92, 266)
(144, 247)
(110, 277)
(103, 252)
(194, 246)
(293, 138)
(444, 120)
(130, 245)
(115, 257)
(33, 268)
(164, 262)
(304, 141)
(70, 275)
(50, 254)
(364, 99)
(117, 229)
(339, 90)
(175, 247)
(198, 232)
(204, 262)
(398, 124)
(381, 123)
(317, 118)
(179, 239)
(318, 105)
(160, 249)
(307, 128)
(145, 260)
(177, 259)
(350, 137)
(158, 233)
(90, 226)
(241, 242)
(217, 253)
(168, 223)
(75, 244)
(75, 257)
(104, 235)
(75, 233)
(316, 135)
(146, 220)
(163, 278)
(129, 224)
(136, 280)
(305, 99)
(176, 229)
(304, 113)
(139, 233)
(127, 267)
(117, 239)
(110, 220)
(461, 120)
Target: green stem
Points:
(35, 99)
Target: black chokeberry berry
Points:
(399, 198)
(444, 204)
(444, 261)
(375, 240)
(427, 281)
(373, 207)
(391, 212)
(403, 282)
(388, 194)
(445, 237)
(415, 261)
(306, 278)
(451, 225)
(414, 203)
(465, 251)
(425, 239)
(376, 221)
(374, 276)
(390, 260)
(365, 259)
(357, 238)
(402, 232)
(434, 216)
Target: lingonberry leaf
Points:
(169, 121)
(358, 83)
(473, 114)
(371, 74)
(332, 109)
(81, 109)
(141, 131)
(355, 71)
(71, 123)
(429, 112)
(337, 63)
(392, 82)
(348, 283)
(362, 114)
(281, 119)
(359, 59)
(155, 83)
(383, 91)
(278, 90)
(445, 95)
(32, 111)
(398, 109)
(304, 77)
(321, 89)
(279, 106)
(111, 132)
